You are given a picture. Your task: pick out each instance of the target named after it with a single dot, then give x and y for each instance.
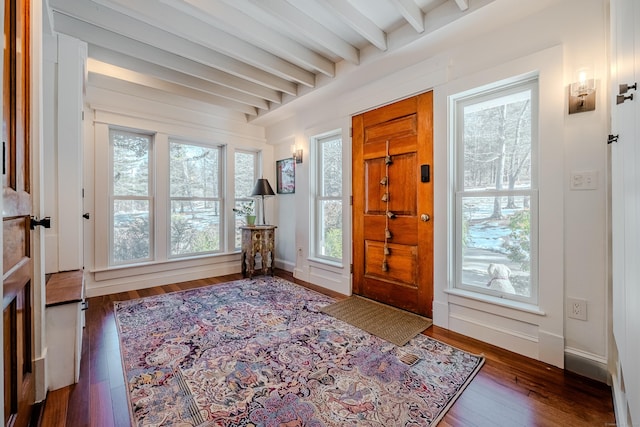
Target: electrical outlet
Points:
(577, 308)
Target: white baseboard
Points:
(41, 379)
(285, 265)
(143, 281)
(441, 314)
(587, 364)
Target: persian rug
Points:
(389, 323)
(259, 352)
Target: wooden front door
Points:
(16, 243)
(393, 204)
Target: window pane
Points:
(131, 237)
(245, 173)
(245, 179)
(195, 226)
(497, 143)
(330, 244)
(130, 164)
(194, 170)
(331, 153)
(496, 251)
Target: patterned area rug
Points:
(259, 352)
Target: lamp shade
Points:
(262, 188)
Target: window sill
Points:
(326, 262)
(488, 299)
(120, 271)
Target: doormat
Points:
(389, 323)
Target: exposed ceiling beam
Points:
(97, 67)
(109, 40)
(411, 12)
(192, 27)
(107, 85)
(360, 23)
(252, 30)
(463, 4)
(144, 67)
(309, 28)
(122, 24)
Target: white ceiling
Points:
(249, 57)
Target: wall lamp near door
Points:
(296, 153)
(582, 94)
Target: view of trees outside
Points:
(245, 176)
(131, 230)
(329, 201)
(496, 227)
(194, 187)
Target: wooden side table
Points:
(258, 247)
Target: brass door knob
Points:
(425, 217)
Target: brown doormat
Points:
(389, 323)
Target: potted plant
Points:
(246, 209)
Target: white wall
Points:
(505, 34)
(294, 212)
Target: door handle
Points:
(44, 222)
(425, 217)
(86, 215)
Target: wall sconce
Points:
(582, 94)
(296, 154)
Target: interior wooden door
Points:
(17, 266)
(393, 204)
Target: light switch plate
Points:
(584, 180)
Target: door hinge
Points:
(351, 268)
(351, 132)
(350, 200)
(624, 88)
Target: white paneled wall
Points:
(625, 212)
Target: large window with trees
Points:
(195, 201)
(328, 197)
(131, 201)
(496, 213)
(166, 198)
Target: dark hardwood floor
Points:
(510, 390)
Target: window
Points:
(245, 176)
(328, 197)
(496, 190)
(195, 202)
(131, 197)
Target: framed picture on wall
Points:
(286, 176)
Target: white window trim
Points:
(456, 104)
(220, 199)
(314, 236)
(491, 322)
(150, 198)
(232, 187)
(160, 203)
